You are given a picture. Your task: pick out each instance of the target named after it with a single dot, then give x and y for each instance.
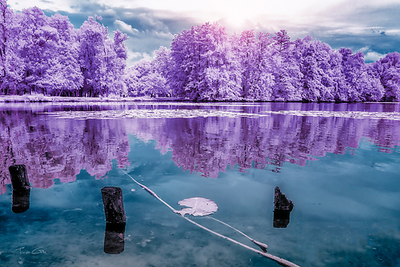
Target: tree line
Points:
(205, 63)
(47, 55)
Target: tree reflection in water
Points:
(52, 147)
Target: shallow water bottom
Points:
(346, 213)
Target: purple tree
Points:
(102, 60)
(41, 55)
(245, 49)
(113, 66)
(33, 41)
(286, 69)
(339, 90)
(263, 78)
(204, 67)
(12, 63)
(254, 56)
(4, 17)
(143, 79)
(361, 84)
(119, 63)
(315, 66)
(63, 76)
(162, 64)
(388, 70)
(92, 36)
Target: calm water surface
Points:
(338, 163)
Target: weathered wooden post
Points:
(282, 209)
(115, 220)
(21, 188)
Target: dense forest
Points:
(47, 55)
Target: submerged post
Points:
(282, 209)
(21, 188)
(115, 219)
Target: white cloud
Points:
(161, 34)
(110, 12)
(149, 20)
(364, 49)
(373, 56)
(125, 27)
(369, 24)
(369, 55)
(49, 5)
(392, 32)
(134, 57)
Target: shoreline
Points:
(62, 99)
(89, 100)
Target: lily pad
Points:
(198, 206)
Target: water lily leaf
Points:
(198, 206)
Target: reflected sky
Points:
(341, 174)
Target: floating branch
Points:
(194, 203)
(263, 246)
(281, 261)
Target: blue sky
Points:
(372, 27)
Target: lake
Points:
(337, 163)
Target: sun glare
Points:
(236, 16)
(239, 14)
(236, 13)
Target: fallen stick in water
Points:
(279, 260)
(263, 246)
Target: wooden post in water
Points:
(115, 219)
(282, 209)
(113, 204)
(21, 188)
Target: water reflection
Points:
(346, 207)
(114, 238)
(20, 200)
(209, 145)
(52, 147)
